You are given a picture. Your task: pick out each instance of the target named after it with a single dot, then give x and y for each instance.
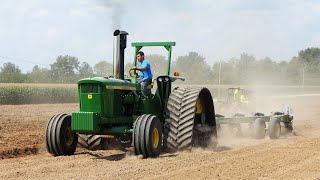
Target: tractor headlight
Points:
(166, 79)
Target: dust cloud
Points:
(265, 99)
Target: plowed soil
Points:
(294, 156)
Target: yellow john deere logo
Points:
(89, 96)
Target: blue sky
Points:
(38, 31)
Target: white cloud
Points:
(77, 44)
(314, 41)
(48, 36)
(56, 33)
(40, 14)
(80, 13)
(316, 7)
(181, 17)
(301, 13)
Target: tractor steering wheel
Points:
(134, 72)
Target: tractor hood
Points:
(110, 83)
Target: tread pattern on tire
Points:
(91, 142)
(137, 149)
(142, 136)
(55, 142)
(179, 124)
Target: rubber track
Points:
(179, 123)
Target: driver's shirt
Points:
(147, 73)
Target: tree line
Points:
(303, 69)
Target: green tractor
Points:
(236, 101)
(170, 119)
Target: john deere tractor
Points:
(170, 119)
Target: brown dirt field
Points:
(297, 156)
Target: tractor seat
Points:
(150, 86)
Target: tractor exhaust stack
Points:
(119, 44)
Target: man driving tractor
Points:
(145, 75)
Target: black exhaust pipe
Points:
(119, 44)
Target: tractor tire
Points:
(235, 129)
(147, 136)
(274, 128)
(83, 141)
(60, 140)
(190, 120)
(92, 142)
(258, 129)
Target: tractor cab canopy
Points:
(168, 46)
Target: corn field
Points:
(38, 93)
(23, 93)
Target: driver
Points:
(145, 73)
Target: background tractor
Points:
(175, 119)
(236, 101)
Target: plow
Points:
(274, 125)
(170, 119)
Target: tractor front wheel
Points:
(60, 139)
(147, 136)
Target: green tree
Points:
(85, 70)
(64, 69)
(39, 75)
(228, 72)
(194, 68)
(103, 68)
(283, 72)
(294, 71)
(158, 64)
(10, 73)
(265, 71)
(244, 67)
(310, 65)
(310, 58)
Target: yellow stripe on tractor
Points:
(121, 87)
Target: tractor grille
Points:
(85, 121)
